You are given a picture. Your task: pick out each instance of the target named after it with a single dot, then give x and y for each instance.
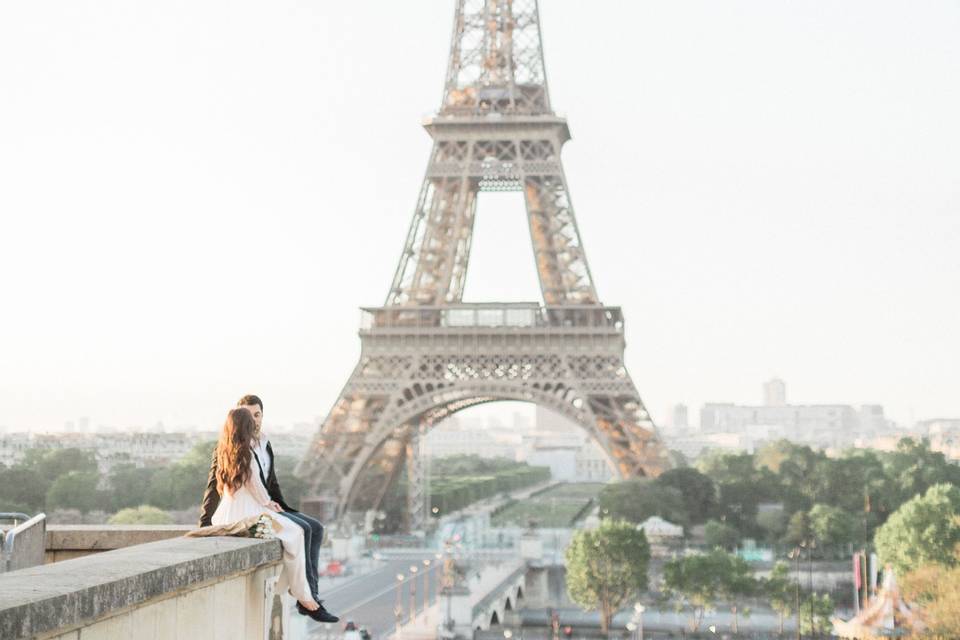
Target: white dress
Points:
(252, 500)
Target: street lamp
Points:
(507, 634)
(639, 609)
(426, 583)
(413, 592)
(795, 555)
(398, 609)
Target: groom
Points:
(312, 529)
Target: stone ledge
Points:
(65, 594)
(100, 537)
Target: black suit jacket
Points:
(211, 497)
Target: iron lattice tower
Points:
(425, 354)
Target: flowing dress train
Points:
(252, 500)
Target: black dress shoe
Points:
(320, 614)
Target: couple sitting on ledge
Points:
(243, 485)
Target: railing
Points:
(24, 545)
(496, 593)
(519, 315)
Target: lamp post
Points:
(398, 609)
(795, 555)
(413, 592)
(639, 609)
(426, 584)
(810, 548)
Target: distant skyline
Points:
(196, 197)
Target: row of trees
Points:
(785, 493)
(50, 479)
(458, 481)
(608, 567)
(906, 501)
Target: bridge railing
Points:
(519, 315)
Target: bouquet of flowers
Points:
(262, 528)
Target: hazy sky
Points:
(195, 197)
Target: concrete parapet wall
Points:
(177, 588)
(69, 541)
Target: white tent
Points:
(656, 527)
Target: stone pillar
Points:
(531, 547)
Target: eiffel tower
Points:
(426, 354)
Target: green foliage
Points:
(831, 526)
(701, 580)
(922, 531)
(74, 490)
(22, 489)
(144, 514)
(798, 528)
(773, 524)
(53, 463)
(637, 499)
(293, 486)
(181, 485)
(743, 486)
(720, 535)
(779, 591)
(815, 614)
(698, 491)
(606, 567)
(867, 485)
(558, 506)
(129, 485)
(453, 485)
(914, 467)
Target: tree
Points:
(606, 567)
(780, 591)
(815, 614)
(129, 485)
(914, 467)
(701, 580)
(144, 514)
(53, 463)
(742, 487)
(293, 486)
(698, 492)
(798, 528)
(181, 485)
(924, 530)
(720, 535)
(831, 526)
(637, 499)
(936, 589)
(74, 490)
(773, 523)
(22, 489)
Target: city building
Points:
(469, 437)
(775, 393)
(944, 435)
(826, 425)
(679, 419)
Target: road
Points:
(370, 600)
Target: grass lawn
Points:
(555, 507)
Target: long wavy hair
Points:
(233, 450)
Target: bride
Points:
(243, 495)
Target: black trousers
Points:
(312, 539)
